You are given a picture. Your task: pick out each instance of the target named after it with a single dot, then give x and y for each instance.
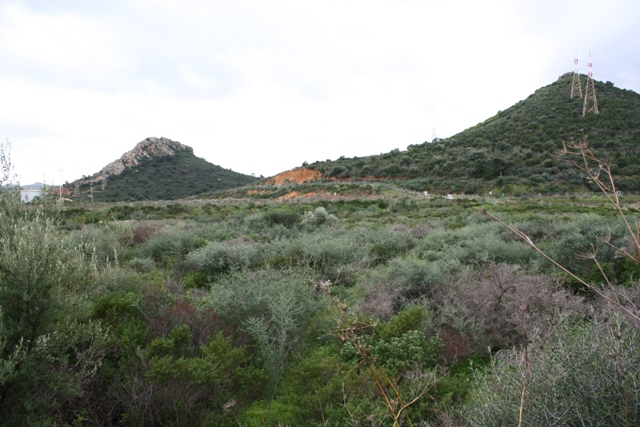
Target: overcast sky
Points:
(262, 86)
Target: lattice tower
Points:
(590, 100)
(576, 86)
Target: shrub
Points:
(222, 257)
(104, 243)
(273, 307)
(405, 321)
(480, 243)
(319, 217)
(48, 351)
(420, 277)
(311, 391)
(283, 217)
(389, 245)
(410, 351)
(168, 248)
(503, 306)
(142, 265)
(187, 385)
(114, 308)
(142, 233)
(328, 251)
(584, 374)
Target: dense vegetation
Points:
(268, 315)
(163, 178)
(516, 151)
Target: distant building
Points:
(27, 195)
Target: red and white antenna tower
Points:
(576, 86)
(590, 100)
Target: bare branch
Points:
(607, 187)
(528, 240)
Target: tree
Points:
(6, 169)
(47, 352)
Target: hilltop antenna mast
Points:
(590, 100)
(576, 86)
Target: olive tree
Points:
(47, 350)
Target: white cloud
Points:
(63, 47)
(263, 86)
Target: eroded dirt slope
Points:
(298, 175)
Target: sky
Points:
(260, 86)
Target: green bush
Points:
(167, 249)
(287, 218)
(189, 385)
(627, 272)
(479, 243)
(405, 321)
(409, 351)
(274, 308)
(417, 277)
(390, 245)
(114, 308)
(328, 251)
(222, 257)
(142, 265)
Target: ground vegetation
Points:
(413, 312)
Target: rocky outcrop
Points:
(150, 147)
(157, 169)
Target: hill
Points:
(516, 150)
(35, 186)
(156, 169)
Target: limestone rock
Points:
(150, 147)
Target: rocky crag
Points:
(146, 149)
(156, 169)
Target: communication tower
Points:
(590, 100)
(576, 86)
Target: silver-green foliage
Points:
(273, 307)
(47, 351)
(318, 217)
(104, 243)
(585, 374)
(476, 244)
(12, 357)
(166, 248)
(222, 257)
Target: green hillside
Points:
(162, 178)
(516, 150)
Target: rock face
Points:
(156, 169)
(150, 147)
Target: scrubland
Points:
(323, 314)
